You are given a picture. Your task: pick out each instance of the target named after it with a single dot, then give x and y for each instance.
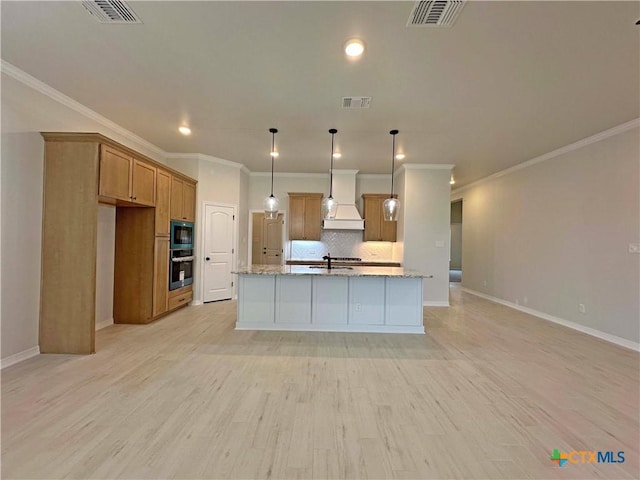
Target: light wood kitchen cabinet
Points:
(305, 216)
(124, 177)
(376, 228)
(183, 200)
(115, 173)
(161, 276)
(143, 183)
(80, 171)
(163, 202)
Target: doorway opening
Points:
(266, 239)
(455, 260)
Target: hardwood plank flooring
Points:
(488, 392)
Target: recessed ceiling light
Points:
(337, 155)
(184, 130)
(400, 156)
(274, 154)
(453, 180)
(354, 47)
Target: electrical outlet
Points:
(484, 283)
(358, 307)
(517, 302)
(582, 308)
(525, 300)
(634, 248)
(439, 243)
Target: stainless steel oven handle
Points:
(182, 259)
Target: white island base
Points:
(330, 302)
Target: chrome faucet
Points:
(327, 257)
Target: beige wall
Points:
(426, 211)
(22, 167)
(558, 232)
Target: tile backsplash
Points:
(341, 243)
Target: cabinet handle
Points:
(207, 259)
(135, 198)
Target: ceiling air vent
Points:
(435, 13)
(356, 103)
(111, 11)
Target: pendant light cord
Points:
(332, 131)
(273, 145)
(393, 158)
(331, 166)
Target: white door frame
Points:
(234, 255)
(285, 244)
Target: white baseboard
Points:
(104, 324)
(195, 303)
(436, 304)
(623, 342)
(19, 357)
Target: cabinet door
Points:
(163, 200)
(143, 182)
(115, 174)
(375, 227)
(388, 230)
(161, 276)
(312, 218)
(189, 202)
(372, 219)
(296, 218)
(177, 200)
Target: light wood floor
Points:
(488, 392)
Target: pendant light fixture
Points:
(271, 203)
(329, 204)
(391, 205)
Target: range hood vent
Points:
(344, 191)
(111, 11)
(435, 13)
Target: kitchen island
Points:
(341, 299)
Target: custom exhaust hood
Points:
(344, 191)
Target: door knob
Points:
(207, 259)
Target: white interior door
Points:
(218, 252)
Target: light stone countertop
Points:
(335, 271)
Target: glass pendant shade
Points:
(271, 202)
(390, 209)
(329, 208)
(271, 205)
(391, 205)
(330, 204)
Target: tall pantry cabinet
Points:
(80, 171)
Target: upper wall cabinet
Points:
(305, 216)
(376, 228)
(163, 202)
(123, 177)
(183, 200)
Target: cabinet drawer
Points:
(179, 300)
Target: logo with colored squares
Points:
(575, 457)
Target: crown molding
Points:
(340, 171)
(373, 176)
(290, 175)
(206, 158)
(630, 125)
(41, 87)
(425, 166)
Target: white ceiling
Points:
(508, 82)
